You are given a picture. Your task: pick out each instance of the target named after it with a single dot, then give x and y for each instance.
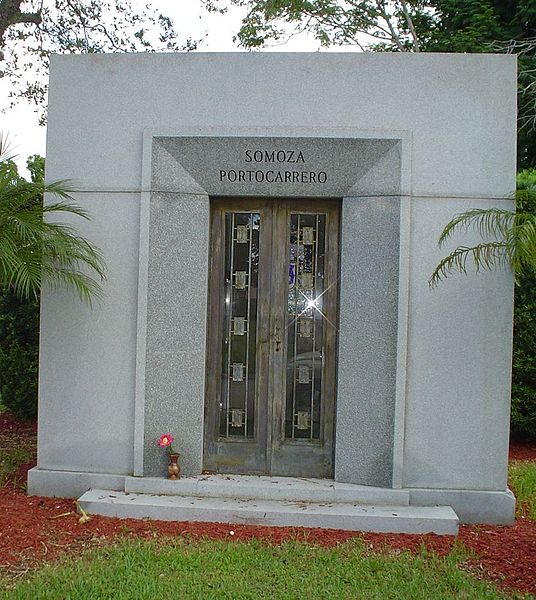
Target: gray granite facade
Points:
(405, 142)
(367, 362)
(176, 317)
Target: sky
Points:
(190, 19)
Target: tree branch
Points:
(10, 14)
(409, 21)
(394, 36)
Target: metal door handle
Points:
(277, 335)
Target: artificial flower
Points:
(165, 441)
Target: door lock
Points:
(277, 336)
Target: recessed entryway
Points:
(272, 336)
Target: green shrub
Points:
(523, 420)
(19, 353)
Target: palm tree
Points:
(509, 237)
(36, 249)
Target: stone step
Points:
(351, 517)
(268, 488)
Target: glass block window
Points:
(237, 406)
(305, 327)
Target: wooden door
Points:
(272, 337)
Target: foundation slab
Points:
(347, 516)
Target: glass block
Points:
(240, 280)
(305, 327)
(308, 236)
(303, 420)
(239, 326)
(242, 234)
(306, 281)
(237, 417)
(238, 372)
(304, 375)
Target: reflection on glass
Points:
(237, 406)
(305, 326)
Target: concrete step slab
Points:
(268, 488)
(347, 516)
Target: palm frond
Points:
(5, 148)
(488, 222)
(67, 207)
(36, 247)
(508, 237)
(26, 279)
(486, 255)
(523, 238)
(86, 287)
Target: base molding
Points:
(471, 506)
(70, 484)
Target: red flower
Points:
(165, 440)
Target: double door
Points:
(272, 337)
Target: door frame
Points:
(269, 450)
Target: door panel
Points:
(238, 333)
(305, 329)
(272, 337)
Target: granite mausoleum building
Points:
(270, 223)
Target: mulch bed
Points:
(9, 424)
(522, 450)
(34, 530)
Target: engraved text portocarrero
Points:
(273, 175)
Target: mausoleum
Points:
(270, 224)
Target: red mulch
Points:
(35, 529)
(522, 450)
(9, 424)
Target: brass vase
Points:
(174, 467)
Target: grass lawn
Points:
(187, 568)
(12, 456)
(15, 450)
(522, 480)
(177, 568)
